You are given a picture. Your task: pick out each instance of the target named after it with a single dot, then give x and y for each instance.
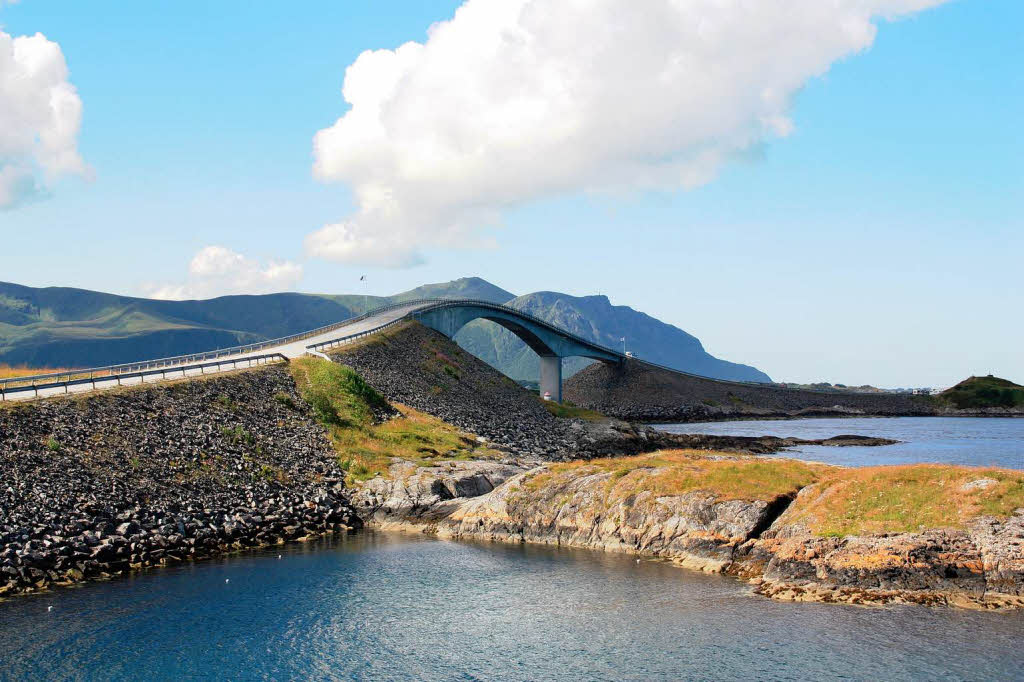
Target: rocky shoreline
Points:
(96, 487)
(981, 566)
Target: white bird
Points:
(638, 561)
(278, 556)
(49, 608)
(227, 580)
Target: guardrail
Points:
(343, 340)
(251, 360)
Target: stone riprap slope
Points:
(641, 392)
(92, 487)
(418, 367)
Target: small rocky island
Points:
(405, 430)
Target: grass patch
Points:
(237, 435)
(284, 399)
(567, 410)
(676, 472)
(346, 406)
(13, 372)
(338, 396)
(910, 498)
(979, 392)
(52, 444)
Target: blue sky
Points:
(880, 242)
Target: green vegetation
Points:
(567, 410)
(979, 392)
(52, 444)
(286, 400)
(897, 499)
(237, 435)
(349, 408)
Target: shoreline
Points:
(758, 542)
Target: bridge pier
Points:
(551, 377)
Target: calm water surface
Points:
(388, 606)
(948, 440)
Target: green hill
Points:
(988, 391)
(64, 327)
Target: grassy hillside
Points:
(351, 411)
(979, 392)
(63, 327)
(595, 318)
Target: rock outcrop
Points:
(97, 486)
(981, 566)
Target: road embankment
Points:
(639, 392)
(97, 486)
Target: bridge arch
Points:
(549, 342)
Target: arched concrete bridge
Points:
(551, 343)
(446, 316)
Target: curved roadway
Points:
(290, 349)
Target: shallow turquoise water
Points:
(947, 440)
(391, 606)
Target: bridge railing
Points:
(78, 380)
(344, 340)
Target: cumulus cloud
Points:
(513, 100)
(40, 117)
(218, 271)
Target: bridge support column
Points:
(551, 377)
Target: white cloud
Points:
(218, 271)
(40, 117)
(512, 100)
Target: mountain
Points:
(465, 287)
(595, 318)
(64, 327)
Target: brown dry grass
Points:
(905, 498)
(13, 372)
(675, 472)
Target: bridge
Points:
(551, 343)
(446, 316)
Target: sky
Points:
(826, 191)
